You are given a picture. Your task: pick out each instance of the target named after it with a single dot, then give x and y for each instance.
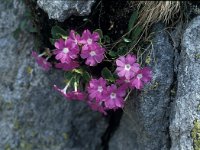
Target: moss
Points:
(197, 56)
(198, 107)
(16, 125)
(7, 147)
(154, 86)
(34, 134)
(5, 104)
(148, 60)
(65, 136)
(196, 135)
(29, 70)
(8, 105)
(25, 146)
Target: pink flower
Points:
(74, 38)
(97, 106)
(89, 38)
(66, 50)
(96, 88)
(62, 91)
(67, 66)
(126, 66)
(76, 95)
(73, 95)
(42, 62)
(125, 83)
(94, 54)
(143, 76)
(114, 97)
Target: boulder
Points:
(144, 124)
(32, 114)
(62, 9)
(185, 107)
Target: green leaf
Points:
(115, 76)
(122, 50)
(64, 36)
(57, 32)
(85, 19)
(136, 33)
(86, 76)
(132, 20)
(69, 75)
(17, 33)
(112, 53)
(52, 41)
(106, 73)
(100, 32)
(27, 14)
(78, 71)
(106, 39)
(23, 24)
(32, 29)
(127, 40)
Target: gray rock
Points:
(62, 9)
(187, 99)
(32, 114)
(144, 124)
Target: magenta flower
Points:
(125, 83)
(74, 38)
(73, 95)
(42, 62)
(76, 95)
(67, 66)
(62, 91)
(126, 66)
(89, 38)
(97, 106)
(96, 88)
(66, 50)
(143, 76)
(114, 97)
(94, 54)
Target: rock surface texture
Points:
(185, 106)
(145, 120)
(62, 9)
(32, 115)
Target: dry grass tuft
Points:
(155, 11)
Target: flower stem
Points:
(75, 86)
(127, 95)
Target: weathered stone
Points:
(62, 9)
(32, 114)
(185, 106)
(144, 124)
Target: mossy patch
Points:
(198, 107)
(196, 135)
(25, 146)
(7, 147)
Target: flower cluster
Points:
(131, 75)
(87, 46)
(103, 97)
(100, 94)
